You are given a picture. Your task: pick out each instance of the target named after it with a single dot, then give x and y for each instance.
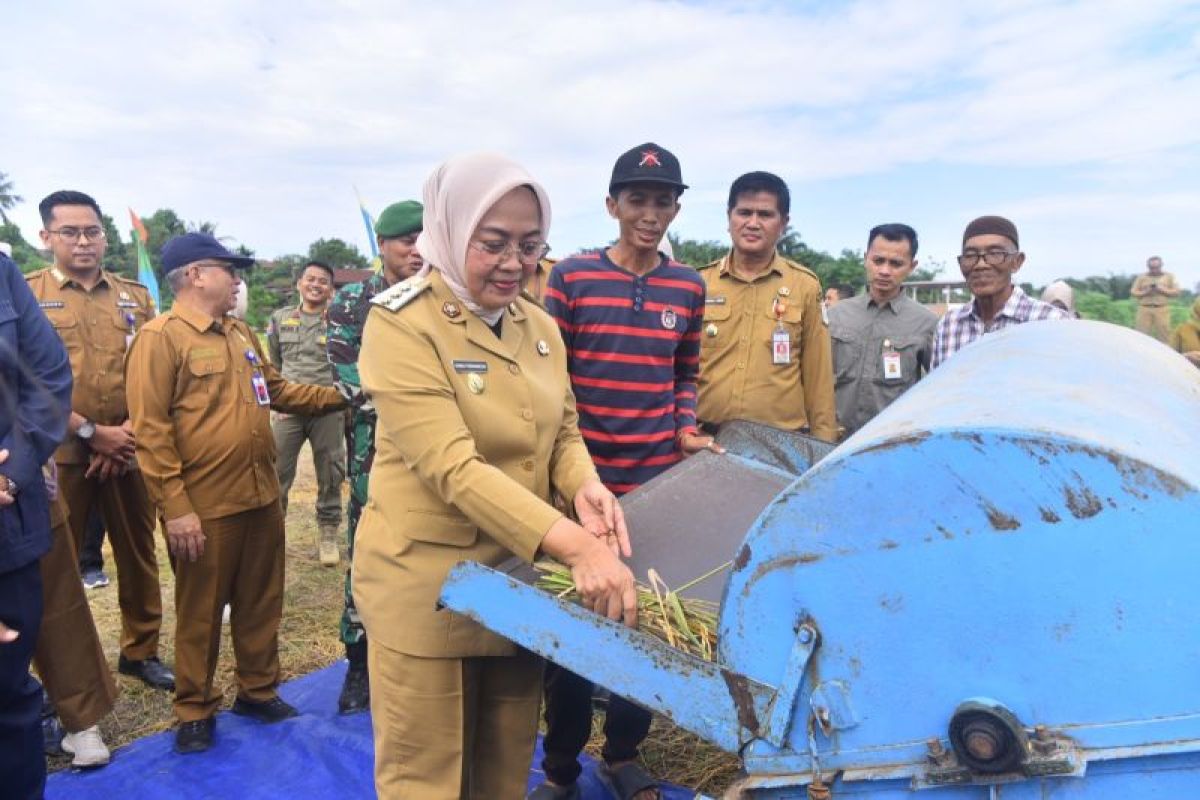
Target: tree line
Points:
(271, 284)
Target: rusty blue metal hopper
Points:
(989, 591)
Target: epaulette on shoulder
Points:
(130, 281)
(37, 273)
(711, 264)
(796, 265)
(397, 297)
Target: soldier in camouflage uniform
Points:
(396, 230)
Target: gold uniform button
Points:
(526, 414)
(527, 465)
(514, 369)
(741, 365)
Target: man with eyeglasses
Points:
(296, 341)
(396, 231)
(631, 319)
(200, 390)
(97, 313)
(991, 255)
(882, 339)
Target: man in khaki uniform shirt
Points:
(1153, 292)
(296, 338)
(199, 393)
(97, 314)
(764, 352)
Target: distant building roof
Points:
(342, 277)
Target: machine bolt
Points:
(806, 634)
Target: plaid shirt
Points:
(960, 327)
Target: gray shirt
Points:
(862, 332)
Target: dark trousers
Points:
(569, 724)
(90, 555)
(22, 765)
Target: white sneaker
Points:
(87, 747)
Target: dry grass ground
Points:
(308, 641)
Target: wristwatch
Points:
(86, 430)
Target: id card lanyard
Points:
(257, 381)
(131, 322)
(891, 362)
(781, 340)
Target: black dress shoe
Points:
(151, 671)
(356, 691)
(273, 710)
(195, 736)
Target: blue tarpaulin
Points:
(316, 755)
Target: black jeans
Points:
(569, 724)
(90, 556)
(22, 764)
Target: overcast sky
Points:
(1079, 120)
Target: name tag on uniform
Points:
(52, 304)
(470, 366)
(290, 323)
(126, 304)
(781, 347)
(891, 363)
(714, 301)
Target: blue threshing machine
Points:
(987, 592)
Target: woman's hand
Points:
(605, 584)
(600, 515)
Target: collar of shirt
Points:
(1010, 306)
(727, 264)
(890, 305)
(195, 317)
(62, 279)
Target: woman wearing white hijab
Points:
(477, 429)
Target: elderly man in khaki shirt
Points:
(199, 393)
(882, 339)
(764, 351)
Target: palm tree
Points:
(8, 199)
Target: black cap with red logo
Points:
(646, 163)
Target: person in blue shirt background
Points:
(35, 399)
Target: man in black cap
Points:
(631, 320)
(199, 391)
(396, 231)
(991, 255)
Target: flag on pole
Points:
(370, 223)
(145, 269)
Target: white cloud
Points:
(261, 116)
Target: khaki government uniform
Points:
(1154, 307)
(738, 378)
(69, 657)
(205, 446)
(96, 326)
(296, 342)
(475, 431)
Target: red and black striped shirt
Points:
(633, 351)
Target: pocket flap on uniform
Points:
(716, 312)
(207, 365)
(436, 527)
